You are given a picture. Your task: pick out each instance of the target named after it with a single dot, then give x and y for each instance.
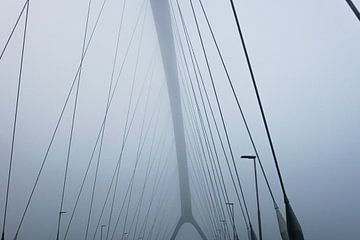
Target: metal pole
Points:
(257, 201)
(223, 221)
(233, 220)
(59, 221)
(231, 206)
(101, 235)
(219, 230)
(58, 229)
(293, 225)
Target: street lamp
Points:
(219, 230)
(224, 222)
(58, 230)
(125, 235)
(231, 206)
(102, 226)
(253, 158)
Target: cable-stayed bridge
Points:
(137, 141)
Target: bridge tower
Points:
(162, 19)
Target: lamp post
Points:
(125, 236)
(58, 230)
(253, 158)
(231, 206)
(224, 222)
(102, 227)
(219, 231)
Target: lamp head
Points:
(248, 157)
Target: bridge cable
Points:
(193, 151)
(215, 205)
(150, 163)
(160, 146)
(73, 122)
(221, 114)
(58, 122)
(258, 98)
(112, 75)
(158, 177)
(15, 121)
(238, 104)
(128, 189)
(101, 127)
(182, 51)
(217, 129)
(121, 152)
(139, 144)
(353, 8)
(204, 131)
(13, 29)
(200, 149)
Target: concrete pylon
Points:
(162, 19)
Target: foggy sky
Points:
(305, 57)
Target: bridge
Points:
(138, 145)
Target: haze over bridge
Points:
(107, 152)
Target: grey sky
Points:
(305, 58)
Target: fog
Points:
(305, 59)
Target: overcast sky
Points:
(305, 56)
